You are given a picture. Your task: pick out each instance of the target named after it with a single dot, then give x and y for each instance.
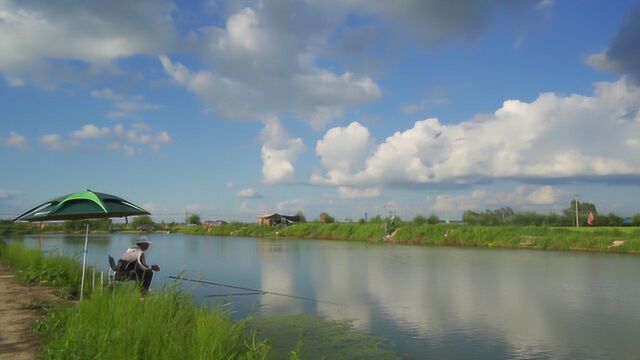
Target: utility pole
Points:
(575, 199)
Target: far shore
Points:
(624, 239)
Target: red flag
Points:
(590, 218)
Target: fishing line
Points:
(253, 291)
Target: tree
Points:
(193, 219)
(419, 220)
(300, 214)
(635, 219)
(583, 211)
(142, 220)
(326, 218)
(433, 219)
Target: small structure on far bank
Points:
(277, 219)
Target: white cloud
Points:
(129, 141)
(545, 4)
(279, 152)
(560, 137)
(291, 206)
(90, 131)
(248, 194)
(55, 142)
(523, 197)
(125, 108)
(230, 185)
(36, 34)
(16, 140)
(545, 195)
(14, 81)
(344, 149)
(346, 192)
(262, 63)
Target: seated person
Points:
(133, 266)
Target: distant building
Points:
(277, 219)
(146, 228)
(210, 223)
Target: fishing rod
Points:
(251, 291)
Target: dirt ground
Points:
(19, 306)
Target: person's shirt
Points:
(135, 254)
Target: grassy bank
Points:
(166, 325)
(36, 268)
(114, 323)
(598, 239)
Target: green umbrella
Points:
(80, 206)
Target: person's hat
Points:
(143, 240)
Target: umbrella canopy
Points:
(82, 205)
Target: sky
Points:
(232, 109)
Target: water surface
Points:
(430, 302)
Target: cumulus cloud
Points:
(90, 131)
(553, 137)
(524, 197)
(344, 149)
(116, 138)
(279, 153)
(16, 140)
(125, 108)
(55, 142)
(248, 193)
(36, 34)
(623, 54)
(346, 192)
(262, 62)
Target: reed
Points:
(118, 324)
(35, 267)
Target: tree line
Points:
(506, 216)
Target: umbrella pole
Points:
(84, 260)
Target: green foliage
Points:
(583, 212)
(194, 219)
(635, 220)
(166, 325)
(303, 218)
(419, 220)
(326, 218)
(433, 219)
(34, 267)
(142, 220)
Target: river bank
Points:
(599, 239)
(168, 323)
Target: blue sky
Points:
(233, 109)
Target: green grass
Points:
(36, 268)
(597, 239)
(165, 325)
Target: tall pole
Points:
(575, 199)
(84, 260)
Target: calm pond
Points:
(429, 302)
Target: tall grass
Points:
(34, 267)
(533, 237)
(165, 325)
